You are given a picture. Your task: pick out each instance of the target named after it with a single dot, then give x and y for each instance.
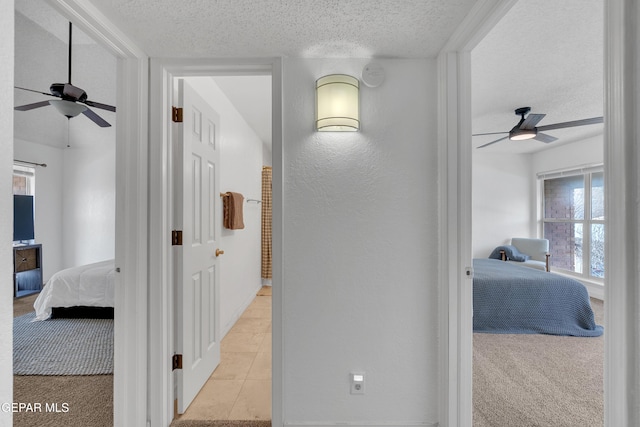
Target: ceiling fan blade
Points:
(531, 121)
(96, 118)
(591, 121)
(35, 91)
(100, 105)
(492, 142)
(543, 137)
(491, 133)
(32, 106)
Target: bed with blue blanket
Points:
(512, 299)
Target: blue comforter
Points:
(512, 299)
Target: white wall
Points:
(505, 190)
(360, 249)
(89, 197)
(6, 207)
(48, 216)
(501, 200)
(75, 194)
(241, 172)
(588, 151)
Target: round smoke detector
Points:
(373, 74)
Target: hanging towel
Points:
(232, 211)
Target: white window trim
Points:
(586, 171)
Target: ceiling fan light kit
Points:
(68, 109)
(521, 134)
(527, 129)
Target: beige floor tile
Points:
(233, 366)
(215, 401)
(249, 324)
(242, 342)
(266, 345)
(261, 302)
(245, 353)
(261, 367)
(254, 401)
(257, 312)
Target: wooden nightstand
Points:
(27, 270)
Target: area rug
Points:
(62, 346)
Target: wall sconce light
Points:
(337, 105)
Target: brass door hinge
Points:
(176, 114)
(176, 362)
(176, 238)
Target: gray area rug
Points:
(62, 346)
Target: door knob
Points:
(219, 252)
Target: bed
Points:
(89, 285)
(512, 299)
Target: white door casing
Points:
(196, 213)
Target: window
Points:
(24, 180)
(573, 207)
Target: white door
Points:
(197, 208)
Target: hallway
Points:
(240, 387)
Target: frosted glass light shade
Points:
(68, 108)
(337, 103)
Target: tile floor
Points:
(240, 387)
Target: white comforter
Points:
(88, 285)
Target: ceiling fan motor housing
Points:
(68, 92)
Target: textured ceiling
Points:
(544, 54)
(296, 28)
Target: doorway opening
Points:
(72, 179)
(163, 302)
(515, 168)
(239, 387)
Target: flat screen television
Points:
(23, 227)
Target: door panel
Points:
(196, 193)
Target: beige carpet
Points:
(538, 380)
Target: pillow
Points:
(511, 252)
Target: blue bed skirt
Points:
(512, 299)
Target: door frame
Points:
(131, 233)
(161, 304)
(621, 103)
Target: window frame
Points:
(587, 222)
(29, 172)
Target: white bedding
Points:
(89, 285)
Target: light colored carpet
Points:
(86, 347)
(89, 398)
(538, 380)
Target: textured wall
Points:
(360, 249)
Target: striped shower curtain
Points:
(266, 224)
